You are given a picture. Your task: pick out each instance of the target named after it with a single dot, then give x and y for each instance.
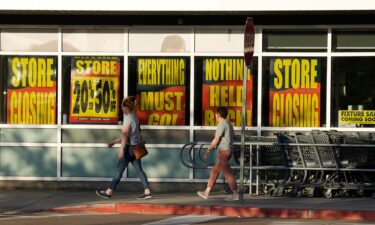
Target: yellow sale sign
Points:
(31, 90)
(295, 85)
(94, 92)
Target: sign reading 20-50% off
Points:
(94, 95)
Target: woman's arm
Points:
(124, 137)
(114, 141)
(213, 144)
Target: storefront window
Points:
(98, 40)
(29, 40)
(294, 91)
(350, 41)
(92, 89)
(29, 89)
(219, 40)
(219, 82)
(161, 86)
(294, 40)
(353, 92)
(167, 40)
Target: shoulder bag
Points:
(139, 150)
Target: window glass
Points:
(159, 40)
(86, 40)
(208, 135)
(28, 161)
(165, 136)
(279, 41)
(161, 86)
(349, 40)
(169, 168)
(37, 135)
(89, 135)
(87, 162)
(353, 92)
(219, 82)
(29, 40)
(293, 91)
(92, 89)
(29, 88)
(219, 40)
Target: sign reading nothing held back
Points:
(161, 91)
(295, 92)
(223, 86)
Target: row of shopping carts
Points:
(316, 163)
(328, 163)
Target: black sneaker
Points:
(144, 196)
(102, 194)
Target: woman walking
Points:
(130, 135)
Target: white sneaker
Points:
(202, 195)
(232, 198)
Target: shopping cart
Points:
(353, 179)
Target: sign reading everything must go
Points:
(94, 92)
(161, 90)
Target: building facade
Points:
(65, 68)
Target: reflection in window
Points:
(219, 40)
(33, 40)
(159, 40)
(93, 40)
(353, 81)
(173, 43)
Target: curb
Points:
(231, 211)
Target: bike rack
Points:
(193, 163)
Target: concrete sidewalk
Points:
(26, 201)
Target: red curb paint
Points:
(342, 215)
(286, 213)
(259, 212)
(162, 209)
(233, 211)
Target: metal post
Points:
(251, 171)
(249, 37)
(243, 131)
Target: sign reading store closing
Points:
(295, 85)
(31, 90)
